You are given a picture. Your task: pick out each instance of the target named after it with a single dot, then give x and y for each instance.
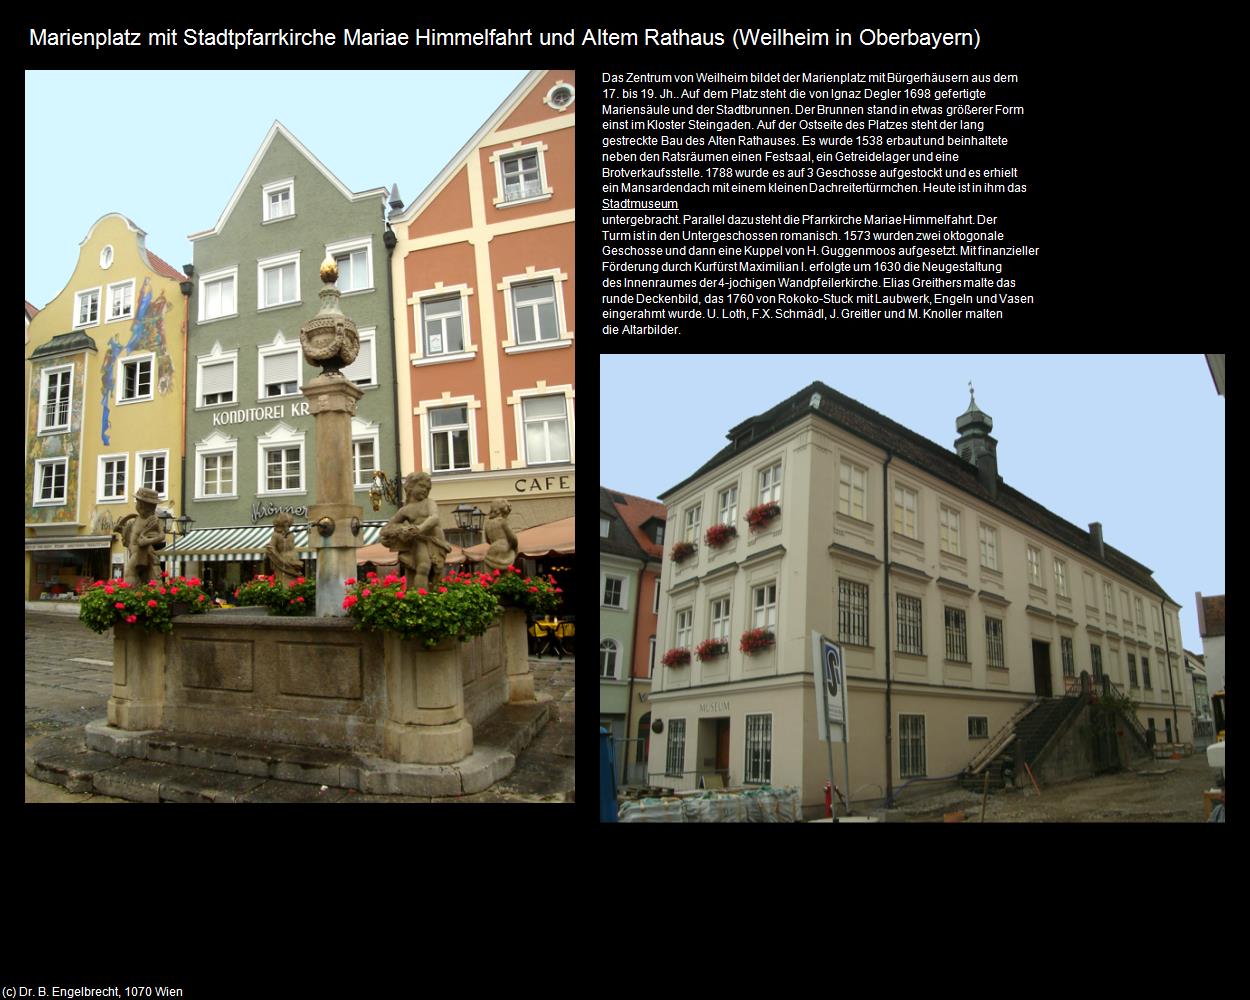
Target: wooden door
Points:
(722, 748)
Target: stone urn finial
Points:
(329, 339)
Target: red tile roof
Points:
(30, 310)
(160, 267)
(635, 512)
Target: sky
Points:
(1135, 441)
(167, 149)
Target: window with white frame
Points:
(989, 547)
(87, 308)
(758, 762)
(112, 478)
(906, 503)
(121, 300)
(50, 478)
(764, 606)
(534, 311)
(605, 527)
(363, 371)
(106, 258)
(675, 759)
(720, 619)
(355, 263)
(770, 484)
(216, 462)
(277, 281)
(364, 462)
(279, 372)
(1035, 566)
(853, 612)
(957, 635)
(218, 294)
(694, 516)
(607, 659)
(1109, 598)
(546, 424)
(659, 534)
(283, 469)
(910, 625)
(521, 175)
(152, 471)
(1061, 578)
(442, 323)
(911, 748)
(685, 628)
(727, 505)
(614, 592)
(216, 381)
(948, 529)
(136, 381)
(994, 643)
(449, 438)
(55, 394)
(853, 491)
(278, 200)
(1068, 656)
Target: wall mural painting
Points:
(147, 333)
(63, 445)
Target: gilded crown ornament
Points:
(329, 339)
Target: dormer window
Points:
(605, 527)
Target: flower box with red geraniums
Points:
(756, 639)
(532, 594)
(459, 606)
(676, 658)
(758, 517)
(152, 606)
(718, 534)
(682, 551)
(298, 597)
(709, 649)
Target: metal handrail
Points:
(1000, 741)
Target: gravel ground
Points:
(1163, 791)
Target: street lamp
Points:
(174, 526)
(468, 518)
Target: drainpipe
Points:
(1176, 726)
(889, 731)
(185, 287)
(388, 238)
(629, 705)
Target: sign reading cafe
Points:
(299, 408)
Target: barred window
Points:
(1145, 672)
(948, 523)
(675, 762)
(1132, 670)
(911, 746)
(910, 625)
(956, 635)
(853, 612)
(1095, 655)
(994, 642)
(978, 727)
(1069, 659)
(759, 756)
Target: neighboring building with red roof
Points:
(1211, 628)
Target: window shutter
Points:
(282, 367)
(362, 368)
(216, 378)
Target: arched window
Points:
(607, 658)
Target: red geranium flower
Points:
(366, 592)
(119, 606)
(442, 590)
(108, 590)
(350, 580)
(131, 619)
(151, 604)
(421, 591)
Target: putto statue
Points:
(144, 536)
(415, 533)
(329, 339)
(503, 543)
(280, 557)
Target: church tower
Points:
(975, 445)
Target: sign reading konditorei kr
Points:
(299, 408)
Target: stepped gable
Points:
(941, 462)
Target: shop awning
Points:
(248, 543)
(69, 542)
(540, 540)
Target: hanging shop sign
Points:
(260, 511)
(298, 408)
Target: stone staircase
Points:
(1021, 739)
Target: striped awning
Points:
(247, 543)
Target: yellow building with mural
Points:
(106, 363)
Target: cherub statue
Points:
(415, 533)
(503, 543)
(280, 557)
(144, 536)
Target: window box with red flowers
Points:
(682, 551)
(710, 649)
(106, 603)
(759, 517)
(676, 658)
(757, 639)
(718, 534)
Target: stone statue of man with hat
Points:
(144, 536)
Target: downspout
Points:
(388, 238)
(1176, 726)
(889, 731)
(185, 287)
(629, 705)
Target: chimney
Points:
(1095, 534)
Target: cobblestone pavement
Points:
(69, 677)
